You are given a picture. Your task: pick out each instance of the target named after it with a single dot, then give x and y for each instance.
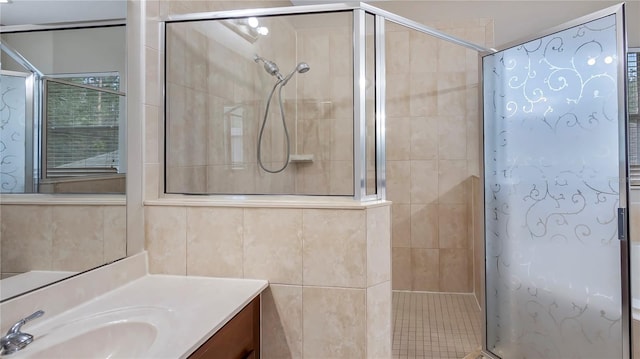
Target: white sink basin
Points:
(131, 332)
(114, 340)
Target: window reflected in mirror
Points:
(64, 111)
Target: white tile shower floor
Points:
(435, 325)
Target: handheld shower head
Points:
(269, 66)
(301, 68)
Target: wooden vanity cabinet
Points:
(238, 339)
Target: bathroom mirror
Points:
(63, 197)
(63, 110)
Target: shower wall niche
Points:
(217, 93)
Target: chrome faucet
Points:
(16, 340)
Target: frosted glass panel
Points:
(551, 169)
(12, 133)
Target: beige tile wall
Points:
(326, 128)
(433, 131)
(208, 82)
(328, 269)
(60, 237)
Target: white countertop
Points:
(186, 311)
(25, 282)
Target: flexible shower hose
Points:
(284, 125)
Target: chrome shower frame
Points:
(359, 10)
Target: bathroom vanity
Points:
(239, 338)
(121, 311)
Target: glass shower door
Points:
(555, 169)
(14, 131)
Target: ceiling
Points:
(41, 12)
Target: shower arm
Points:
(269, 66)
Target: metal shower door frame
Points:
(621, 41)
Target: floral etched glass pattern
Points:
(12, 134)
(551, 196)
